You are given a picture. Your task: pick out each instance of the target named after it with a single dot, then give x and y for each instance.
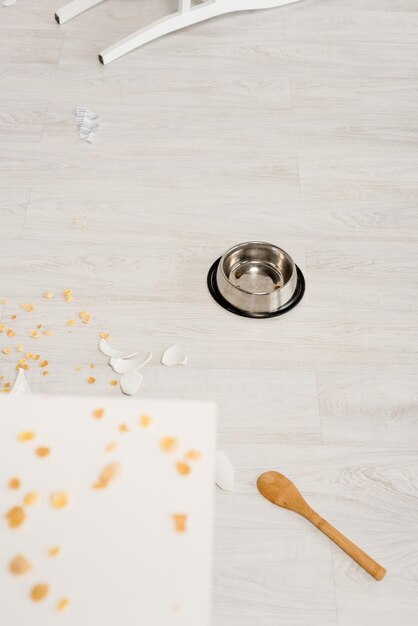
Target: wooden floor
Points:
(296, 126)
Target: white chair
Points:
(186, 15)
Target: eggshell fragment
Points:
(224, 471)
(122, 366)
(109, 351)
(131, 382)
(174, 356)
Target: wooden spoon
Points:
(281, 491)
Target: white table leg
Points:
(185, 16)
(74, 8)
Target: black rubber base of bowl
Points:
(216, 295)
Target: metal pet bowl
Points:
(256, 279)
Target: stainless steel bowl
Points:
(258, 279)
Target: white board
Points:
(122, 560)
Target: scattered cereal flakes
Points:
(105, 335)
(48, 332)
(7, 350)
(43, 364)
(111, 446)
(71, 323)
(98, 413)
(145, 421)
(48, 295)
(183, 468)
(20, 348)
(168, 444)
(16, 516)
(91, 380)
(63, 604)
(34, 334)
(84, 316)
(113, 383)
(124, 428)
(19, 565)
(14, 483)
(54, 551)
(42, 451)
(4, 301)
(31, 498)
(109, 473)
(27, 435)
(193, 455)
(39, 592)
(180, 522)
(59, 499)
(11, 333)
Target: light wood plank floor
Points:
(295, 125)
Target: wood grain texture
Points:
(295, 125)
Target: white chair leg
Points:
(74, 8)
(185, 16)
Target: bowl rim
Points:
(255, 243)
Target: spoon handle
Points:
(363, 559)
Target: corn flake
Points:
(34, 334)
(109, 473)
(59, 499)
(14, 483)
(39, 592)
(91, 380)
(193, 455)
(19, 565)
(48, 295)
(84, 316)
(168, 444)
(63, 604)
(54, 551)
(11, 333)
(180, 522)
(145, 421)
(16, 516)
(27, 435)
(31, 498)
(105, 335)
(183, 468)
(7, 350)
(98, 413)
(42, 451)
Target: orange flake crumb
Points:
(11, 333)
(84, 316)
(45, 373)
(113, 383)
(39, 592)
(63, 604)
(43, 364)
(4, 301)
(42, 451)
(48, 332)
(31, 498)
(168, 444)
(193, 455)
(71, 323)
(20, 348)
(78, 368)
(48, 295)
(145, 421)
(111, 446)
(183, 468)
(92, 366)
(2, 328)
(105, 335)
(16, 516)
(34, 334)
(14, 483)
(124, 428)
(98, 413)
(36, 357)
(27, 435)
(91, 380)
(54, 551)
(180, 522)
(59, 499)
(13, 317)
(19, 565)
(109, 473)
(7, 350)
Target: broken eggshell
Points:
(131, 382)
(20, 386)
(224, 471)
(174, 356)
(122, 366)
(109, 351)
